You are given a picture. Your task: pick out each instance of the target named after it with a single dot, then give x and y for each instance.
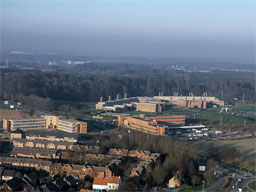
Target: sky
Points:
(221, 30)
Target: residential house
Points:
(106, 183)
(14, 184)
(45, 144)
(8, 175)
(119, 152)
(173, 182)
(35, 153)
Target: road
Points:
(243, 184)
(220, 181)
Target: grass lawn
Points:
(226, 118)
(82, 106)
(252, 185)
(244, 107)
(245, 146)
(191, 188)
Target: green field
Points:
(243, 107)
(81, 107)
(226, 118)
(244, 145)
(252, 185)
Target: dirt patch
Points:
(12, 114)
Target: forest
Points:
(80, 84)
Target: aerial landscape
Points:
(128, 95)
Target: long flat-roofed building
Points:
(156, 125)
(144, 125)
(191, 101)
(24, 124)
(170, 119)
(72, 126)
(117, 104)
(152, 107)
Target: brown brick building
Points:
(154, 125)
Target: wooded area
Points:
(90, 87)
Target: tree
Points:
(192, 168)
(196, 180)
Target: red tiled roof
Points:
(86, 190)
(106, 180)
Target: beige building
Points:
(44, 144)
(191, 101)
(6, 124)
(51, 122)
(23, 124)
(173, 182)
(72, 126)
(152, 107)
(17, 134)
(51, 136)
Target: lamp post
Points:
(203, 186)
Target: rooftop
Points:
(69, 120)
(8, 172)
(106, 180)
(44, 141)
(18, 131)
(48, 133)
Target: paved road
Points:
(220, 181)
(244, 184)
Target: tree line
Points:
(90, 87)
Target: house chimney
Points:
(101, 99)
(117, 96)
(109, 98)
(125, 95)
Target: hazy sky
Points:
(206, 29)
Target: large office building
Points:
(23, 124)
(144, 125)
(191, 101)
(155, 125)
(152, 107)
(48, 122)
(51, 121)
(158, 103)
(72, 126)
(171, 120)
(117, 104)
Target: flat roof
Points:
(69, 120)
